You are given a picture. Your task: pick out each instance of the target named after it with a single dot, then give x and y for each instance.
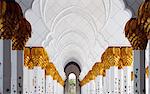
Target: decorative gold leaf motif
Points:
(137, 30)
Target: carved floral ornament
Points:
(13, 25)
(137, 30)
(37, 57)
(113, 56)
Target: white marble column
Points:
(83, 89)
(139, 72)
(25, 80)
(20, 64)
(120, 81)
(14, 72)
(39, 80)
(99, 87)
(1, 66)
(5, 66)
(147, 65)
(49, 84)
(104, 84)
(17, 63)
(127, 79)
(108, 81)
(55, 86)
(31, 83)
(114, 80)
(92, 87)
(88, 88)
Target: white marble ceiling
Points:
(77, 30)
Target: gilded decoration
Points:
(132, 76)
(147, 71)
(126, 56)
(13, 25)
(137, 30)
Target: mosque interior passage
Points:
(74, 46)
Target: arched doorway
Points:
(72, 85)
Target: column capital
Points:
(126, 56)
(113, 56)
(26, 56)
(137, 30)
(9, 17)
(144, 17)
(13, 25)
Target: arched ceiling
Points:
(77, 30)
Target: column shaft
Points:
(120, 81)
(114, 80)
(1, 66)
(25, 80)
(139, 72)
(127, 79)
(6, 66)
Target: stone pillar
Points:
(39, 80)
(120, 81)
(55, 86)
(49, 84)
(147, 68)
(99, 86)
(139, 72)
(17, 59)
(1, 66)
(32, 82)
(114, 80)
(127, 79)
(104, 85)
(25, 80)
(92, 87)
(5, 66)
(89, 86)
(14, 72)
(108, 82)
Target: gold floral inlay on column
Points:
(147, 72)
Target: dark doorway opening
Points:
(72, 83)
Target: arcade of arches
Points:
(74, 46)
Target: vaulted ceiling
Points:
(78, 30)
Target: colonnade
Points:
(15, 31)
(112, 75)
(40, 75)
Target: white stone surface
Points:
(26, 77)
(49, 85)
(14, 72)
(127, 79)
(1, 66)
(120, 81)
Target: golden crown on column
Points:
(13, 25)
(126, 56)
